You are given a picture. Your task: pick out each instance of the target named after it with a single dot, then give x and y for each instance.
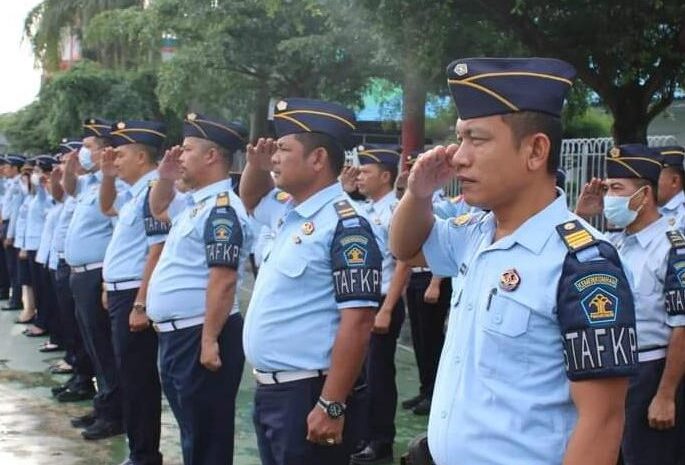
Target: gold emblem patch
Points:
(282, 105)
(191, 117)
(460, 69)
(282, 196)
(615, 152)
(121, 125)
(308, 228)
(509, 280)
(462, 219)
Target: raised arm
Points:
(256, 180)
(162, 192)
(69, 177)
(108, 190)
(413, 217)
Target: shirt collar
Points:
(317, 201)
(224, 185)
(142, 183)
(647, 234)
(676, 201)
(536, 231)
(384, 201)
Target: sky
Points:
(19, 78)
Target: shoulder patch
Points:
(153, 227)
(344, 209)
(282, 196)
(676, 238)
(576, 237)
(223, 236)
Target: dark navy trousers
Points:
(96, 332)
(76, 354)
(12, 258)
(136, 357)
(203, 401)
(280, 419)
(643, 445)
(380, 376)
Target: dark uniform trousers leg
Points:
(280, 419)
(141, 393)
(73, 342)
(49, 298)
(418, 283)
(380, 375)
(5, 283)
(643, 445)
(203, 402)
(432, 326)
(97, 339)
(12, 257)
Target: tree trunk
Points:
(260, 112)
(414, 111)
(630, 116)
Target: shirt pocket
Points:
(291, 266)
(128, 216)
(504, 351)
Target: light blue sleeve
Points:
(269, 209)
(444, 249)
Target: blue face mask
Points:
(617, 210)
(85, 157)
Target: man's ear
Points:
(538, 147)
(318, 158)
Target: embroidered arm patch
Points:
(356, 261)
(223, 236)
(596, 315)
(153, 227)
(674, 288)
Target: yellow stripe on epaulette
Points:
(222, 200)
(152, 183)
(576, 236)
(344, 209)
(676, 239)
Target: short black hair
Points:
(393, 170)
(677, 171)
(225, 153)
(151, 152)
(525, 123)
(335, 151)
(103, 141)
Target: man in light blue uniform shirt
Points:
(5, 283)
(670, 187)
(651, 249)
(129, 260)
(541, 341)
(313, 304)
(80, 386)
(192, 298)
(87, 237)
(377, 174)
(11, 202)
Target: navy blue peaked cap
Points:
(69, 145)
(300, 115)
(96, 127)
(151, 133)
(232, 136)
(15, 160)
(635, 161)
(378, 154)
(672, 155)
(495, 86)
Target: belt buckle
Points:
(155, 326)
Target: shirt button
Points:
(457, 359)
(443, 414)
(497, 319)
(469, 307)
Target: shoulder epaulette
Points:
(222, 200)
(152, 183)
(676, 238)
(576, 236)
(344, 209)
(456, 199)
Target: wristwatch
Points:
(333, 409)
(139, 307)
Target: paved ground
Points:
(35, 430)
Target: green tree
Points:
(631, 53)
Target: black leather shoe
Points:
(374, 454)
(102, 429)
(75, 395)
(413, 402)
(11, 306)
(57, 390)
(423, 407)
(84, 421)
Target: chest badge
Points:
(308, 228)
(509, 280)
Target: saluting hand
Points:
(348, 178)
(72, 163)
(259, 154)
(432, 170)
(209, 355)
(591, 200)
(170, 166)
(107, 164)
(56, 174)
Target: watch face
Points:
(335, 409)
